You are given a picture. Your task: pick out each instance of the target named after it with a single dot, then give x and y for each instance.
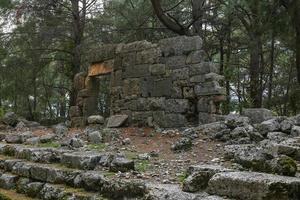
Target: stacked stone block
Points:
(167, 84)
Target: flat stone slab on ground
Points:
(116, 121)
(81, 160)
(254, 186)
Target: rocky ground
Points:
(254, 156)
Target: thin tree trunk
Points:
(286, 97)
(254, 70)
(270, 87)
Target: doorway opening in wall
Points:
(101, 73)
(104, 95)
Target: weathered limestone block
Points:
(180, 74)
(176, 92)
(128, 59)
(116, 78)
(254, 186)
(177, 105)
(158, 69)
(84, 160)
(8, 181)
(195, 57)
(203, 68)
(197, 79)
(136, 71)
(162, 87)
(140, 118)
(188, 93)
(199, 175)
(116, 121)
(136, 46)
(175, 62)
(79, 81)
(206, 105)
(180, 45)
(148, 56)
(169, 120)
(209, 88)
(74, 111)
(132, 87)
(258, 115)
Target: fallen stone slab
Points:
(95, 119)
(257, 115)
(81, 160)
(254, 186)
(199, 175)
(290, 147)
(8, 181)
(173, 192)
(116, 121)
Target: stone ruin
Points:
(165, 84)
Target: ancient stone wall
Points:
(166, 84)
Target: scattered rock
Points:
(47, 138)
(258, 115)
(233, 121)
(14, 139)
(190, 133)
(95, 137)
(270, 125)
(295, 131)
(182, 144)
(76, 143)
(60, 129)
(121, 164)
(116, 121)
(126, 141)
(8, 181)
(95, 119)
(10, 118)
(144, 156)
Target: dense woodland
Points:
(44, 43)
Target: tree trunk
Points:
(197, 6)
(270, 86)
(78, 28)
(254, 71)
(298, 53)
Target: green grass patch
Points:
(97, 147)
(143, 166)
(182, 176)
(130, 155)
(50, 145)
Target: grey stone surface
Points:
(10, 118)
(95, 119)
(116, 121)
(199, 175)
(95, 137)
(258, 115)
(84, 160)
(121, 164)
(182, 144)
(8, 181)
(254, 186)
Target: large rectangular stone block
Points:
(158, 69)
(254, 186)
(131, 87)
(209, 88)
(162, 87)
(175, 62)
(128, 59)
(136, 71)
(180, 74)
(195, 57)
(203, 68)
(177, 105)
(180, 45)
(149, 56)
(165, 120)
